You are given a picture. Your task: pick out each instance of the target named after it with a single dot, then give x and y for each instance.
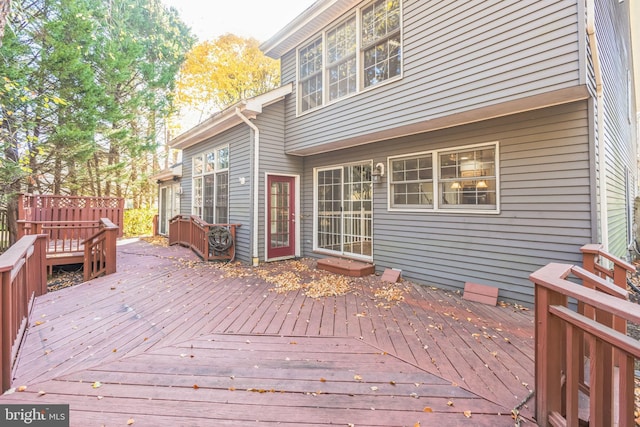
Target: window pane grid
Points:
(211, 186)
(374, 57)
(279, 222)
(412, 181)
(382, 61)
(379, 20)
(466, 179)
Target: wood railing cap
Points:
(553, 275)
(108, 223)
(597, 249)
(18, 251)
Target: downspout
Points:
(595, 59)
(256, 182)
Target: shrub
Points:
(138, 222)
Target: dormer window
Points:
(360, 51)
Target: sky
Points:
(259, 19)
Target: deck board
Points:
(166, 322)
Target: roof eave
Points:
(312, 20)
(227, 119)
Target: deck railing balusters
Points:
(596, 330)
(22, 278)
(192, 232)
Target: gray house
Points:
(457, 141)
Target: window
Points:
(311, 75)
(341, 61)
(211, 186)
(463, 179)
(381, 41)
(412, 181)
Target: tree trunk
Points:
(5, 7)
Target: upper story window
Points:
(341, 59)
(461, 178)
(381, 41)
(310, 76)
(362, 50)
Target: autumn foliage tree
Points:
(221, 72)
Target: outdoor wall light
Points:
(377, 173)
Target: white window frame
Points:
(217, 169)
(436, 206)
(316, 247)
(359, 58)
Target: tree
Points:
(5, 7)
(219, 73)
(97, 79)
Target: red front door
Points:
(281, 217)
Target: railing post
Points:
(548, 355)
(5, 333)
(110, 249)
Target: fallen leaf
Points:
(494, 353)
(374, 388)
(22, 388)
(322, 380)
(195, 386)
(449, 403)
(115, 350)
(96, 384)
(42, 393)
(357, 377)
(232, 389)
(100, 397)
(131, 421)
(467, 414)
(38, 323)
(427, 409)
(417, 424)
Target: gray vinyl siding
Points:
(457, 56)
(239, 141)
(546, 204)
(273, 159)
(612, 28)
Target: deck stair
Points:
(346, 267)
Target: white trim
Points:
(296, 250)
(340, 253)
(436, 181)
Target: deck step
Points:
(346, 267)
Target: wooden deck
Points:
(174, 341)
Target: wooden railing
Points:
(583, 351)
(192, 232)
(100, 251)
(22, 277)
(57, 208)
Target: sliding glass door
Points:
(344, 209)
